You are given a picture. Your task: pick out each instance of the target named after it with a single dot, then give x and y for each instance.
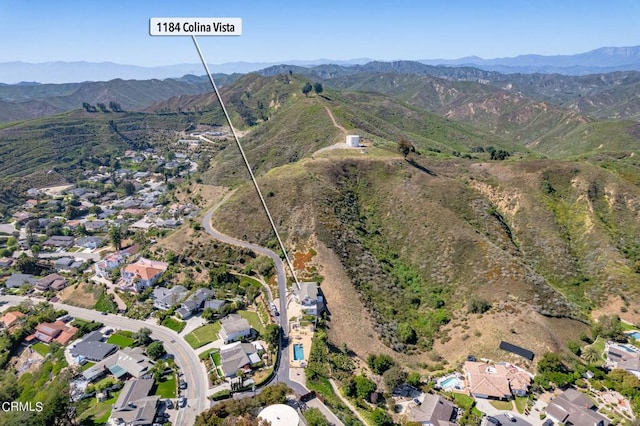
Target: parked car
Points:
(548, 422)
(417, 401)
(183, 384)
(182, 402)
(169, 404)
(510, 417)
(493, 420)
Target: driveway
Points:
(533, 419)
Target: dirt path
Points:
(346, 402)
(335, 123)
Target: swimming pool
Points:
(298, 352)
(450, 383)
(635, 335)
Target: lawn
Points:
(521, 403)
(203, 335)
(174, 324)
(466, 402)
(87, 365)
(502, 405)
(254, 320)
(106, 304)
(120, 340)
(41, 348)
(99, 412)
(166, 387)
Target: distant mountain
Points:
(604, 59)
(74, 72)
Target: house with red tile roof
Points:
(11, 318)
(141, 274)
(48, 332)
(496, 381)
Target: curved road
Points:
(184, 355)
(282, 373)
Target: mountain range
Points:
(605, 59)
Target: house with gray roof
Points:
(214, 304)
(575, 408)
(126, 362)
(134, 406)
(59, 241)
(434, 411)
(166, 298)
(233, 327)
(238, 356)
(17, 280)
(623, 356)
(194, 303)
(90, 242)
(51, 282)
(310, 299)
(93, 350)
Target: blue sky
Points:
(117, 31)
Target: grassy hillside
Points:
(419, 243)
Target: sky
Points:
(118, 31)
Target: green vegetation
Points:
(203, 335)
(106, 303)
(41, 348)
(98, 412)
(174, 324)
(121, 340)
(166, 386)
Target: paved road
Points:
(282, 371)
(185, 357)
(485, 406)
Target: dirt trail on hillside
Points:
(335, 123)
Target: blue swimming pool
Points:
(449, 383)
(635, 335)
(298, 352)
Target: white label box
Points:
(195, 26)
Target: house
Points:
(127, 361)
(17, 280)
(499, 381)
(434, 411)
(51, 282)
(308, 297)
(134, 406)
(238, 356)
(165, 298)
(11, 318)
(6, 262)
(59, 241)
(104, 267)
(575, 408)
(194, 303)
(625, 357)
(95, 226)
(56, 331)
(214, 304)
(90, 242)
(142, 274)
(92, 348)
(233, 327)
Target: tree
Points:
(394, 377)
(129, 187)
(380, 363)
(156, 350)
(306, 89)
(406, 334)
(315, 417)
(478, 306)
(272, 336)
(27, 265)
(115, 107)
(115, 235)
(414, 379)
(609, 327)
(591, 354)
(380, 418)
(102, 107)
(143, 336)
(405, 147)
(317, 87)
(364, 386)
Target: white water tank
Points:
(353, 140)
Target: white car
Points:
(510, 417)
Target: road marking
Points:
(244, 157)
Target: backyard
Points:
(203, 335)
(254, 320)
(120, 340)
(41, 348)
(98, 412)
(166, 386)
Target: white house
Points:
(233, 327)
(309, 298)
